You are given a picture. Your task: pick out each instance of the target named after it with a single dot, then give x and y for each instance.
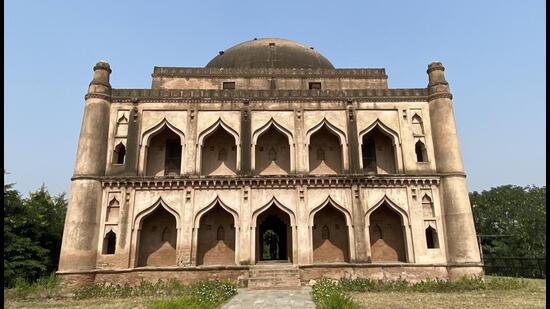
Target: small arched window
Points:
(320, 154)
(220, 235)
(109, 243)
(432, 241)
(222, 155)
(417, 126)
(325, 232)
(427, 207)
(420, 149)
(119, 154)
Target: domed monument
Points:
(271, 167)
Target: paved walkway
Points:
(274, 298)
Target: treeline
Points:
(513, 220)
(33, 228)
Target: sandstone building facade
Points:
(268, 154)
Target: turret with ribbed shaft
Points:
(80, 237)
(462, 248)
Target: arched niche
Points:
(330, 235)
(162, 150)
(388, 233)
(216, 237)
(272, 150)
(379, 149)
(327, 149)
(219, 150)
(157, 245)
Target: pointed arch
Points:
(421, 152)
(344, 164)
(122, 119)
(159, 203)
(157, 128)
(391, 134)
(341, 135)
(119, 153)
(394, 136)
(394, 206)
(417, 125)
(277, 126)
(153, 131)
(336, 205)
(213, 204)
(278, 204)
(211, 130)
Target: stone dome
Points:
(270, 53)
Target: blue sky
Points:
(493, 51)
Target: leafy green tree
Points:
(517, 213)
(33, 228)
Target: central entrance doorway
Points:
(274, 236)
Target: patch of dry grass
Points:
(532, 296)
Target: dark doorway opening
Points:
(274, 239)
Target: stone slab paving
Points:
(272, 299)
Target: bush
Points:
(45, 287)
(204, 294)
(328, 294)
(430, 285)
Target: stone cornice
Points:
(186, 95)
(97, 96)
(291, 181)
(440, 95)
(175, 72)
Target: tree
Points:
(518, 213)
(33, 228)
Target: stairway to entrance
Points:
(273, 275)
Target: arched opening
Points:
(157, 239)
(330, 236)
(216, 238)
(109, 243)
(219, 153)
(272, 153)
(164, 154)
(325, 152)
(432, 241)
(378, 153)
(417, 126)
(119, 154)
(427, 207)
(420, 149)
(273, 235)
(386, 235)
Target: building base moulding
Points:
(187, 275)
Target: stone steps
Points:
(273, 276)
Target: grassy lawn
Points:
(531, 296)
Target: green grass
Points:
(160, 294)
